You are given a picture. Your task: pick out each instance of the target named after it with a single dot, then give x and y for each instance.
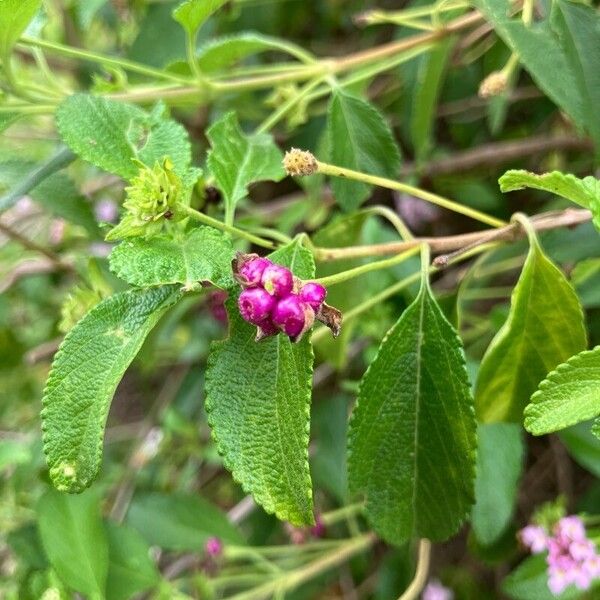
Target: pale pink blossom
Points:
(534, 538)
(436, 591)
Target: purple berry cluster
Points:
(274, 300)
(572, 557)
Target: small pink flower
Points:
(559, 580)
(535, 538)
(592, 565)
(570, 528)
(436, 591)
(318, 530)
(582, 550)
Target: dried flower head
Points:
(493, 85)
(299, 162)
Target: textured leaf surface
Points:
(500, 457)
(109, 134)
(191, 14)
(85, 373)
(130, 568)
(180, 521)
(567, 396)
(14, 18)
(223, 52)
(237, 160)
(74, 540)
(412, 438)
(200, 254)
(544, 328)
(360, 139)
(258, 403)
(585, 192)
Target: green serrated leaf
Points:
(130, 568)
(222, 52)
(360, 139)
(200, 254)
(180, 521)
(413, 431)
(237, 160)
(545, 327)
(15, 15)
(74, 539)
(258, 403)
(85, 373)
(500, 457)
(191, 14)
(110, 134)
(570, 394)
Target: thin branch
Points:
(550, 220)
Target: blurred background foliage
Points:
(161, 474)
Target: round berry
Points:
(293, 316)
(251, 272)
(277, 280)
(255, 305)
(313, 294)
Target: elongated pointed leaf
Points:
(201, 254)
(360, 139)
(430, 80)
(258, 403)
(544, 328)
(412, 438)
(75, 541)
(567, 396)
(110, 134)
(500, 456)
(14, 18)
(85, 373)
(237, 160)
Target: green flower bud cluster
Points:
(151, 199)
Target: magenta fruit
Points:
(255, 305)
(293, 316)
(277, 280)
(250, 273)
(313, 294)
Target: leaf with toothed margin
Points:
(569, 395)
(412, 439)
(236, 160)
(201, 254)
(85, 373)
(258, 404)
